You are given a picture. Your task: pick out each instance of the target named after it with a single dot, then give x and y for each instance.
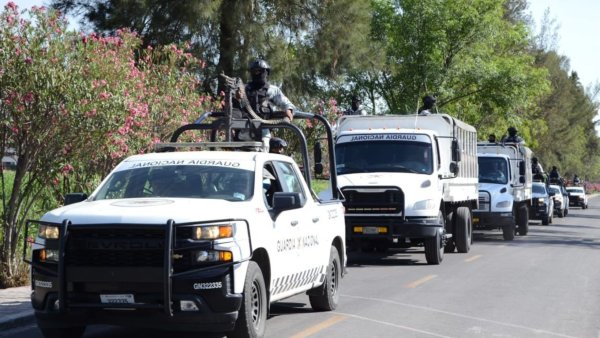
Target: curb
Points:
(15, 321)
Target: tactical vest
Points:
(259, 101)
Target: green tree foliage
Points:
(464, 52)
(309, 44)
(73, 106)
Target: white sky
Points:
(579, 26)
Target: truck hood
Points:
(146, 211)
(493, 188)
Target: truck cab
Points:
(505, 181)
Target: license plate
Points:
(370, 230)
(117, 299)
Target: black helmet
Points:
(259, 64)
(276, 142)
(428, 100)
(512, 131)
(534, 159)
(355, 98)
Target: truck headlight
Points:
(50, 256)
(212, 231)
(540, 201)
(212, 256)
(424, 205)
(504, 204)
(48, 232)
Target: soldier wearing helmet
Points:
(356, 107)
(277, 145)
(427, 107)
(512, 136)
(263, 96)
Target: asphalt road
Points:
(545, 284)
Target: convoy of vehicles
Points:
(190, 240)
(505, 194)
(206, 240)
(542, 207)
(577, 197)
(407, 180)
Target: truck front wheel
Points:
(463, 229)
(523, 220)
(327, 296)
(252, 317)
(508, 232)
(434, 250)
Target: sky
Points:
(578, 28)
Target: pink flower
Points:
(11, 5)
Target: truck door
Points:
(290, 240)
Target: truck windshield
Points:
(383, 156)
(188, 181)
(493, 170)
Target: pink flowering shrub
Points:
(74, 105)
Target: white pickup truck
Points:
(189, 240)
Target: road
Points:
(545, 284)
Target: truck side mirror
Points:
(522, 168)
(454, 168)
(455, 151)
(75, 197)
(286, 201)
(318, 154)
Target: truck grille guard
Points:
(167, 276)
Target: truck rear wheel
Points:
(508, 232)
(463, 229)
(326, 296)
(523, 220)
(434, 250)
(252, 316)
(63, 332)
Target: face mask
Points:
(355, 105)
(259, 79)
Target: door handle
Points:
(315, 220)
(294, 223)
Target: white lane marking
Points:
(393, 325)
(538, 331)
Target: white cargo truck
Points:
(505, 179)
(201, 240)
(407, 180)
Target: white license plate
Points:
(117, 299)
(370, 230)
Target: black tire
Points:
(545, 219)
(252, 316)
(63, 332)
(523, 220)
(450, 245)
(464, 227)
(326, 297)
(561, 213)
(434, 250)
(508, 232)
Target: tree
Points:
(62, 94)
(464, 52)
